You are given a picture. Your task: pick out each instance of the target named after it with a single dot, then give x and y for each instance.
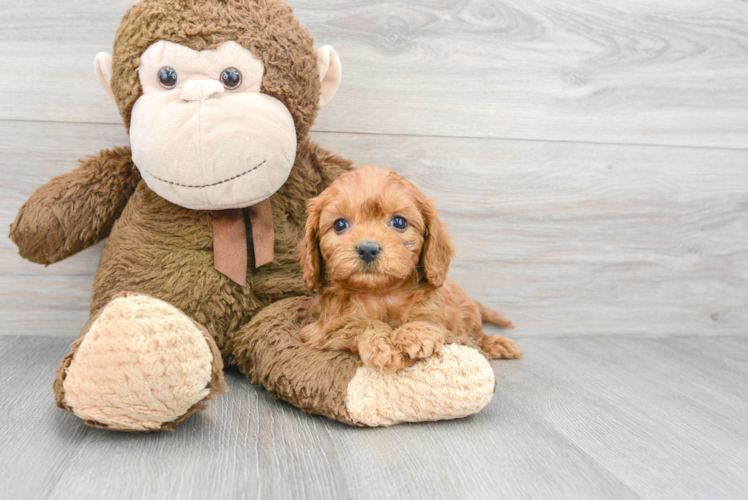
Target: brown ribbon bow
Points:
(230, 240)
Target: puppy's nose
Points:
(368, 251)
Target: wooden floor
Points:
(577, 418)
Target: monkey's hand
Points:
(75, 210)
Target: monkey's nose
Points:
(200, 90)
(368, 251)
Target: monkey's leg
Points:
(456, 382)
(140, 365)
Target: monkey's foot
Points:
(141, 365)
(456, 382)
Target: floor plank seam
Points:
(456, 137)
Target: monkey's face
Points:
(202, 134)
(216, 95)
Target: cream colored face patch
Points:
(203, 135)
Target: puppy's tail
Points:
(492, 317)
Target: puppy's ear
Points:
(437, 250)
(311, 260)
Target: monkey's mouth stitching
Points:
(208, 185)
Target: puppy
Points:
(376, 250)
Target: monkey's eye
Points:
(231, 78)
(399, 223)
(341, 225)
(167, 77)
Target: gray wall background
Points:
(590, 156)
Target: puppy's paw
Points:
(314, 335)
(418, 340)
(500, 347)
(308, 335)
(377, 351)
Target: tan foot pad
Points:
(455, 383)
(142, 363)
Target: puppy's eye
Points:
(341, 225)
(231, 78)
(167, 77)
(399, 223)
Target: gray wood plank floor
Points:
(577, 418)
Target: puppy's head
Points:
(372, 229)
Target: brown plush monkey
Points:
(204, 213)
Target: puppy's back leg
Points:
(500, 347)
(492, 317)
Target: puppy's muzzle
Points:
(368, 251)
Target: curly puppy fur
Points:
(397, 306)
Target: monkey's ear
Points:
(311, 261)
(103, 67)
(330, 73)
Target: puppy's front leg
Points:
(375, 347)
(340, 333)
(370, 339)
(419, 339)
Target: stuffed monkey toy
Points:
(203, 213)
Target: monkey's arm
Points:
(75, 210)
(329, 165)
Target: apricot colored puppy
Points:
(379, 256)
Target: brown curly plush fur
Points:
(77, 209)
(269, 351)
(166, 251)
(157, 250)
